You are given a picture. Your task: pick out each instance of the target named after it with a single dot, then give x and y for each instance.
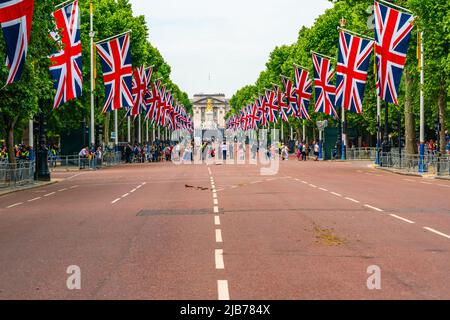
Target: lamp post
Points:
(42, 172)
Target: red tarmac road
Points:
(160, 231)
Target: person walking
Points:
(224, 151)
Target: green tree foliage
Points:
(432, 16)
(20, 101)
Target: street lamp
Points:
(42, 172)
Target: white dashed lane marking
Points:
(220, 265)
(219, 236)
(222, 288)
(373, 208)
(352, 200)
(35, 199)
(49, 194)
(437, 232)
(15, 205)
(336, 194)
(401, 218)
(217, 220)
(118, 199)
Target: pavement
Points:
(314, 230)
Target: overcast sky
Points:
(218, 46)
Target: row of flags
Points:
(124, 87)
(392, 33)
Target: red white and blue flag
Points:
(117, 73)
(140, 84)
(152, 99)
(325, 90)
(302, 92)
(291, 107)
(66, 66)
(271, 105)
(392, 33)
(351, 72)
(263, 112)
(283, 106)
(16, 17)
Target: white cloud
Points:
(229, 39)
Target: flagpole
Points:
(422, 109)
(344, 134)
(146, 132)
(116, 129)
(91, 35)
(378, 159)
(304, 131)
(129, 129)
(140, 130)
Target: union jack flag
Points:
(66, 68)
(262, 111)
(302, 92)
(117, 73)
(140, 84)
(271, 106)
(284, 107)
(392, 34)
(152, 100)
(325, 91)
(16, 17)
(353, 64)
(290, 96)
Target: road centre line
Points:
(217, 220)
(118, 199)
(313, 186)
(35, 199)
(49, 194)
(216, 202)
(125, 195)
(222, 288)
(62, 190)
(219, 236)
(323, 189)
(219, 259)
(216, 209)
(336, 194)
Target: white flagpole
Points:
(129, 129)
(304, 131)
(146, 132)
(140, 130)
(91, 35)
(116, 128)
(422, 108)
(30, 133)
(154, 133)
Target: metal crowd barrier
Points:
(439, 166)
(75, 161)
(16, 175)
(361, 154)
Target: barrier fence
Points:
(16, 175)
(22, 173)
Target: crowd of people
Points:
(23, 152)
(157, 151)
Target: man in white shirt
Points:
(224, 151)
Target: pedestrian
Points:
(224, 151)
(316, 151)
(82, 156)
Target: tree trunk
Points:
(410, 124)
(441, 105)
(10, 145)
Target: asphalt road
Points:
(161, 231)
